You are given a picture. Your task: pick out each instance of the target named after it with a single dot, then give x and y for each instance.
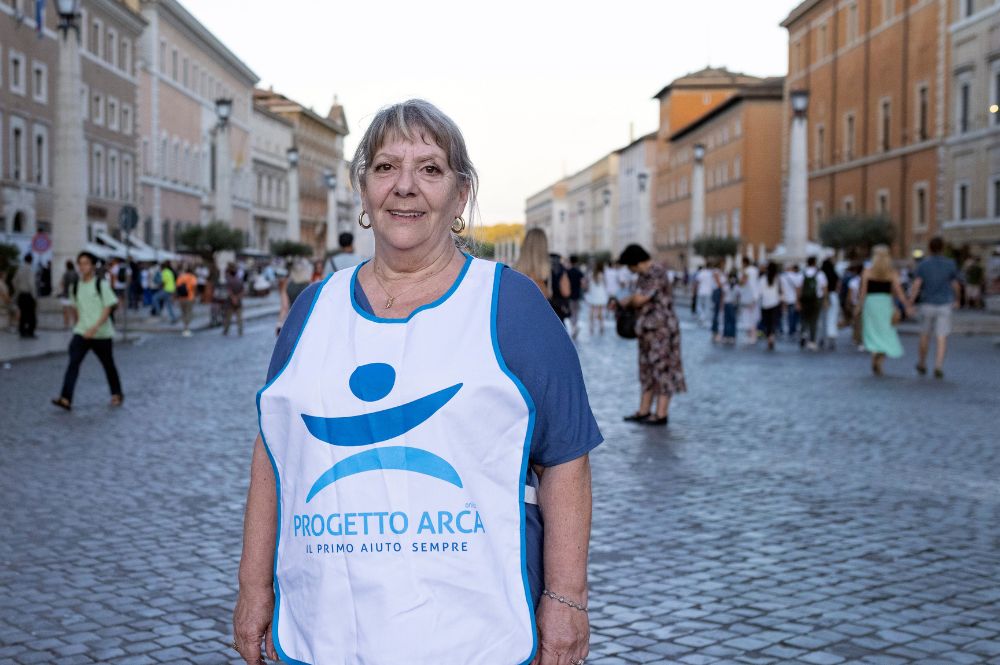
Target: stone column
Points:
(71, 167)
(797, 214)
(294, 222)
(223, 176)
(331, 219)
(697, 229)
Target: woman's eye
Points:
(382, 168)
(431, 169)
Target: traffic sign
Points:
(41, 243)
(128, 218)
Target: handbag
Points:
(625, 321)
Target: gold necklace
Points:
(392, 298)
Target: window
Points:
(41, 155)
(821, 42)
(852, 24)
(962, 200)
(18, 150)
(111, 48)
(97, 172)
(818, 152)
(128, 177)
(737, 168)
(882, 202)
(126, 120)
(849, 136)
(920, 205)
(174, 64)
(96, 35)
(97, 115)
(848, 205)
(995, 193)
(125, 56)
(18, 82)
(885, 126)
(968, 8)
(819, 216)
(146, 164)
(736, 223)
(40, 82)
(995, 93)
(163, 57)
(85, 100)
(888, 9)
(923, 110)
(964, 109)
(113, 119)
(113, 175)
(185, 78)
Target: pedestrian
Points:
(346, 257)
(575, 276)
(299, 277)
(854, 305)
(769, 286)
(661, 372)
(186, 291)
(718, 279)
(134, 286)
(830, 318)
(26, 297)
(423, 322)
(535, 263)
(560, 287)
(94, 300)
(164, 297)
(318, 272)
(705, 284)
(879, 284)
(811, 298)
(730, 307)
(937, 287)
(752, 273)
(66, 285)
(235, 288)
(749, 304)
(597, 298)
(791, 283)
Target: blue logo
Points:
(371, 383)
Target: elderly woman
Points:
(661, 373)
(420, 489)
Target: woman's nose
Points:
(404, 183)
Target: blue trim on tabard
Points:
(277, 484)
(524, 458)
(377, 319)
(399, 458)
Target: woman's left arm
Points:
(564, 498)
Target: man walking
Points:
(164, 297)
(346, 257)
(25, 295)
(234, 300)
(575, 276)
(186, 289)
(938, 288)
(811, 296)
(791, 282)
(93, 300)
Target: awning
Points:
(150, 253)
(98, 250)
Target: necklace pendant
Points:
(388, 303)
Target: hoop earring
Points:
(361, 222)
(460, 223)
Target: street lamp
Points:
(330, 179)
(223, 109)
(800, 102)
(699, 152)
(69, 16)
(293, 157)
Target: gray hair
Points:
(418, 119)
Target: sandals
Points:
(636, 417)
(656, 421)
(63, 403)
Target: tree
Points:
(857, 234)
(716, 247)
(209, 239)
(9, 258)
(290, 248)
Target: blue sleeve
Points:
(537, 349)
(290, 330)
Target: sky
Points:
(540, 89)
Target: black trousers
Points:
(78, 347)
(27, 307)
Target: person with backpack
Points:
(811, 295)
(185, 292)
(94, 300)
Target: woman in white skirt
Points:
(831, 315)
(597, 298)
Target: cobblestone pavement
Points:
(797, 509)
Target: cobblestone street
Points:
(796, 509)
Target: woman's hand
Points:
(252, 624)
(563, 632)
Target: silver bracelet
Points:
(564, 600)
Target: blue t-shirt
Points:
(936, 274)
(537, 350)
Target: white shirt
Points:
(706, 282)
(770, 295)
(791, 281)
(345, 260)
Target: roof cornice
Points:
(121, 13)
(799, 12)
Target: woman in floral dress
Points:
(661, 374)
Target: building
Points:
(734, 152)
(325, 211)
(971, 219)
(271, 139)
(636, 164)
(876, 74)
(109, 32)
(195, 169)
(547, 210)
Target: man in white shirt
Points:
(811, 295)
(705, 284)
(791, 281)
(346, 257)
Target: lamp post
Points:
(223, 163)
(294, 223)
(796, 229)
(606, 222)
(644, 234)
(697, 203)
(69, 215)
(330, 180)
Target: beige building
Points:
(271, 136)
(741, 168)
(637, 162)
(877, 77)
(547, 210)
(109, 33)
(320, 141)
(193, 170)
(971, 218)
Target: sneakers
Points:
(186, 333)
(938, 373)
